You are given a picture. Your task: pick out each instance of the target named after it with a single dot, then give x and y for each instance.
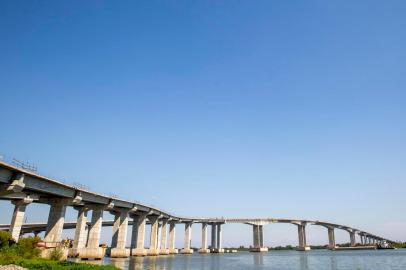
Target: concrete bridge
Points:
(23, 187)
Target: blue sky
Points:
(214, 108)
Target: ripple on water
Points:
(274, 260)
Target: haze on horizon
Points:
(289, 109)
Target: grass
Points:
(26, 254)
(44, 264)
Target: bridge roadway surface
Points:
(20, 184)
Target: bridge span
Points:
(23, 187)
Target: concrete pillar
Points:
(153, 243)
(213, 246)
(258, 239)
(352, 238)
(261, 236)
(172, 234)
(331, 238)
(80, 237)
(188, 238)
(119, 240)
(163, 248)
(204, 248)
(301, 228)
(92, 250)
(138, 235)
(56, 219)
(18, 217)
(219, 245)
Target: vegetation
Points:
(399, 245)
(26, 254)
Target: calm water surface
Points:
(323, 260)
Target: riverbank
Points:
(44, 264)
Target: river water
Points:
(278, 260)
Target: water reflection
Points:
(258, 258)
(136, 263)
(304, 263)
(373, 260)
(333, 263)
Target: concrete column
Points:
(80, 238)
(163, 249)
(119, 240)
(204, 248)
(153, 243)
(219, 240)
(352, 238)
(213, 246)
(159, 236)
(261, 236)
(258, 239)
(331, 239)
(188, 238)
(301, 228)
(18, 217)
(56, 219)
(138, 236)
(172, 234)
(92, 250)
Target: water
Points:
(277, 260)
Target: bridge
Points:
(23, 187)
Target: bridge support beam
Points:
(301, 229)
(92, 250)
(204, 248)
(213, 242)
(119, 240)
(219, 238)
(188, 238)
(153, 243)
(352, 238)
(18, 217)
(138, 235)
(163, 248)
(258, 239)
(56, 218)
(331, 238)
(172, 234)
(80, 238)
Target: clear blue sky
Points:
(214, 108)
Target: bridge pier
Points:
(258, 239)
(119, 239)
(153, 243)
(138, 235)
(204, 248)
(56, 218)
(18, 217)
(163, 248)
(352, 238)
(188, 238)
(331, 238)
(361, 237)
(80, 238)
(301, 228)
(213, 243)
(219, 238)
(172, 249)
(92, 249)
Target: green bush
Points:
(5, 239)
(27, 247)
(43, 264)
(56, 254)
